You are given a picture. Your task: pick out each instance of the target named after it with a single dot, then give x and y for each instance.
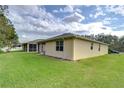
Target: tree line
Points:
(8, 35)
(115, 42)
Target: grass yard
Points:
(19, 69)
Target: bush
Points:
(1, 51)
(111, 51)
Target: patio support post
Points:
(37, 47)
(27, 47)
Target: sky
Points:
(40, 22)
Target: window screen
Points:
(60, 45)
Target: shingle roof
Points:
(37, 40)
(64, 36)
(70, 35)
(34, 41)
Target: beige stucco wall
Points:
(50, 49)
(75, 49)
(82, 49)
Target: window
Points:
(91, 46)
(99, 47)
(59, 45)
(32, 47)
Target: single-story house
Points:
(68, 46)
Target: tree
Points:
(109, 39)
(121, 44)
(114, 42)
(8, 35)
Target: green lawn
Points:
(19, 69)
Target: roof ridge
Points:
(67, 35)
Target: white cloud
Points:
(98, 27)
(99, 12)
(68, 9)
(107, 20)
(116, 9)
(33, 22)
(91, 15)
(78, 10)
(91, 28)
(55, 11)
(118, 33)
(75, 17)
(29, 19)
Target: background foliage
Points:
(115, 43)
(8, 36)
